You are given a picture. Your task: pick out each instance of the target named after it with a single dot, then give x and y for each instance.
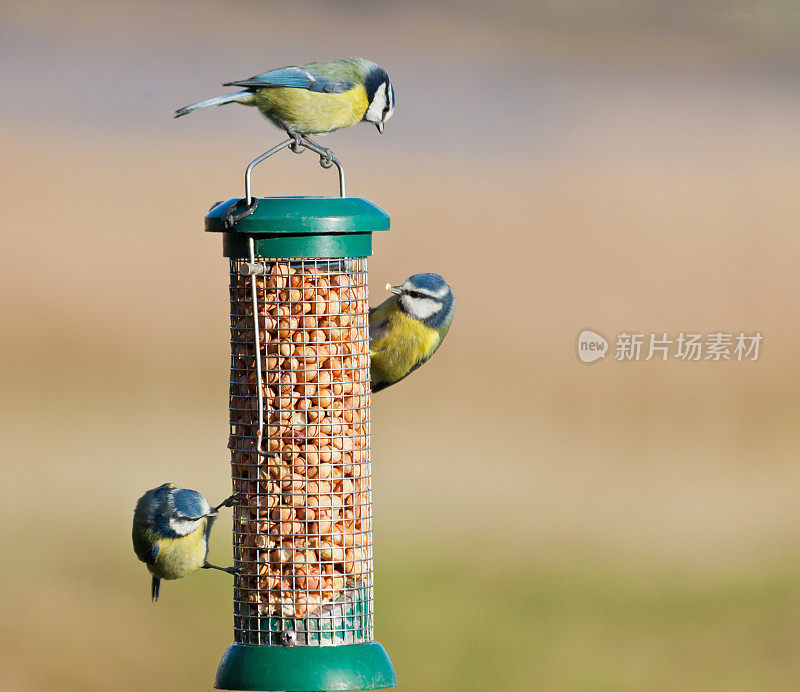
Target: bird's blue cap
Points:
(188, 504)
(428, 281)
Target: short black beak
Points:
(379, 125)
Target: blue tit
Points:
(315, 98)
(171, 527)
(407, 328)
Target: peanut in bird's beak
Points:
(379, 125)
(397, 290)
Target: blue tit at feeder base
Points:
(315, 98)
(171, 528)
(407, 328)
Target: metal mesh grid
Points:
(302, 532)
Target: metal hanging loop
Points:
(296, 144)
(235, 212)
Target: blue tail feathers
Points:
(216, 101)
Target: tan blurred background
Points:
(540, 524)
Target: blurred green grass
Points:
(588, 625)
(461, 618)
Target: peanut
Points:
(304, 522)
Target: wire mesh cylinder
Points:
(302, 532)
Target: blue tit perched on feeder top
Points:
(407, 328)
(315, 98)
(171, 528)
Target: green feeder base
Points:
(305, 668)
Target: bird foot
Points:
(231, 501)
(235, 571)
(296, 146)
(325, 158)
(326, 161)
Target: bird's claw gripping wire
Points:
(235, 571)
(301, 143)
(297, 146)
(325, 154)
(232, 501)
(326, 160)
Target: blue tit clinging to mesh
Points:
(407, 328)
(171, 528)
(315, 98)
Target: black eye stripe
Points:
(419, 294)
(388, 93)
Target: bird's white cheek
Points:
(183, 527)
(423, 309)
(375, 111)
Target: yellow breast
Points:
(309, 112)
(180, 557)
(406, 343)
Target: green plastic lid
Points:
(306, 668)
(298, 226)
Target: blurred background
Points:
(540, 523)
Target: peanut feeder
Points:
(300, 441)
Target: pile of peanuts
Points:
(302, 526)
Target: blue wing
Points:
(295, 77)
(145, 548)
(189, 503)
